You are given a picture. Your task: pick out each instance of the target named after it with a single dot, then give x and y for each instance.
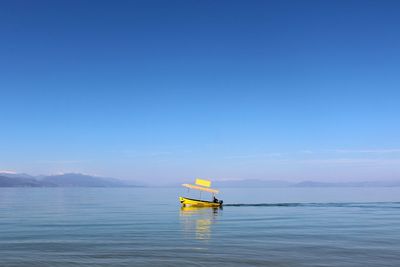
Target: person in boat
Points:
(215, 200)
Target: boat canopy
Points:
(192, 186)
(202, 185)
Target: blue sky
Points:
(172, 90)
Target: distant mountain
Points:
(81, 180)
(62, 180)
(317, 184)
(8, 179)
(251, 183)
(276, 183)
(16, 175)
(15, 181)
(349, 184)
(254, 183)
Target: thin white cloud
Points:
(146, 154)
(60, 161)
(271, 155)
(159, 153)
(306, 152)
(8, 172)
(367, 151)
(344, 161)
(255, 156)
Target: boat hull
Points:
(197, 203)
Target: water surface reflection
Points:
(198, 221)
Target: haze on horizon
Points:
(168, 90)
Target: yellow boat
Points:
(201, 185)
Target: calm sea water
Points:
(146, 227)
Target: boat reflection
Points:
(198, 221)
